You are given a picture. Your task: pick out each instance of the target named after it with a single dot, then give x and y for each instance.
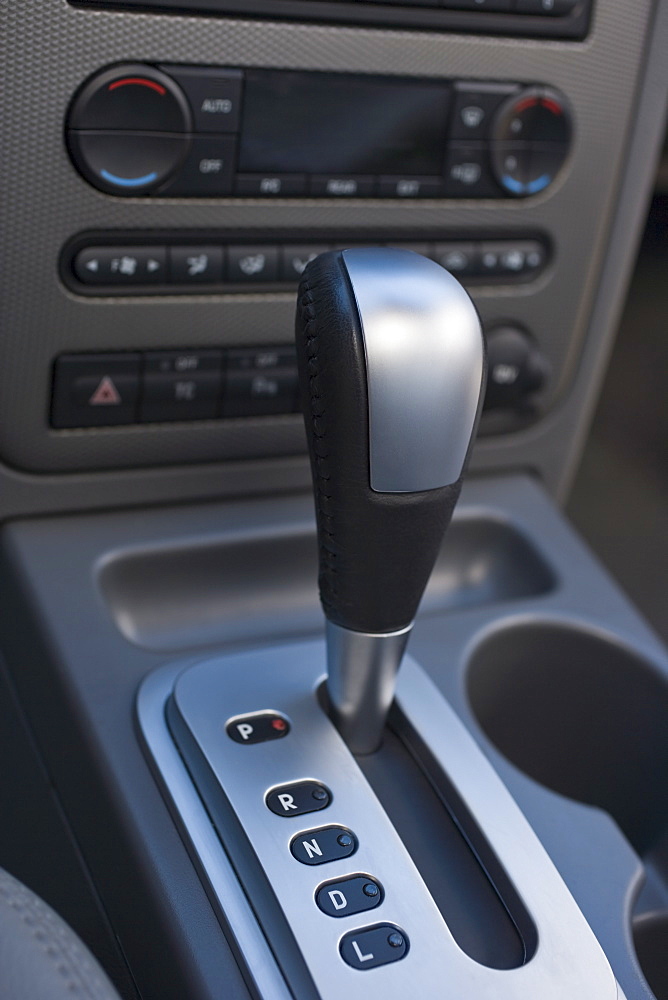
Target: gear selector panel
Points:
(343, 894)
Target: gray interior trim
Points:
(226, 893)
(569, 960)
(77, 685)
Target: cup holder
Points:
(650, 937)
(262, 584)
(581, 714)
(588, 718)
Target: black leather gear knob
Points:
(391, 365)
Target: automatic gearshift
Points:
(316, 884)
(392, 371)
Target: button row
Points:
(153, 267)
(97, 390)
(363, 948)
(345, 896)
(208, 169)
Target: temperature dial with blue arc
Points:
(128, 129)
(531, 140)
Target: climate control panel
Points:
(213, 132)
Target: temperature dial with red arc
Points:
(128, 129)
(531, 140)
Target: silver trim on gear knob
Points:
(425, 360)
(362, 670)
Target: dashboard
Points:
(171, 171)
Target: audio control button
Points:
(214, 96)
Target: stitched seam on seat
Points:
(46, 929)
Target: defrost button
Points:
(474, 108)
(468, 173)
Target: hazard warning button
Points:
(95, 390)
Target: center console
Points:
(172, 170)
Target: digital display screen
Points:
(330, 123)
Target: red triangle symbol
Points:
(106, 394)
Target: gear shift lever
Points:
(392, 370)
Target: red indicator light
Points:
(279, 724)
(530, 102)
(140, 82)
(552, 106)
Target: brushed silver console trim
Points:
(228, 898)
(568, 960)
(361, 697)
(424, 354)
